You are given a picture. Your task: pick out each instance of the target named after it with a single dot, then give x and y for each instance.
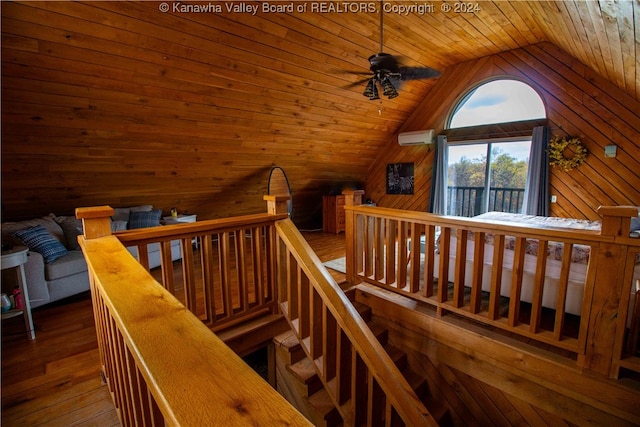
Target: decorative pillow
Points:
(39, 240)
(141, 208)
(635, 223)
(121, 214)
(144, 219)
(118, 226)
(9, 229)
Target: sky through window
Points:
(498, 101)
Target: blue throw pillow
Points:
(39, 240)
(144, 219)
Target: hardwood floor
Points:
(55, 379)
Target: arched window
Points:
(497, 101)
(490, 172)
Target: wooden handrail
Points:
(383, 249)
(162, 364)
(135, 323)
(309, 318)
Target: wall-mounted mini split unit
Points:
(418, 137)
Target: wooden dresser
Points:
(333, 214)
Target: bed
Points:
(578, 266)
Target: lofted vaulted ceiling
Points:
(211, 98)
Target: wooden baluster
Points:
(516, 282)
(538, 287)
(166, 264)
(478, 268)
(344, 372)
(496, 277)
(379, 240)
(188, 274)
(304, 324)
(223, 266)
(403, 254)
(315, 307)
(429, 257)
(443, 276)
(241, 268)
(561, 294)
(460, 268)
(414, 256)
(369, 238)
(208, 278)
(329, 340)
(391, 247)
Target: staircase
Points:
(297, 381)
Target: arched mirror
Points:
(279, 186)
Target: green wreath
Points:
(558, 153)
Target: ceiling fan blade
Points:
(418, 73)
(357, 73)
(358, 83)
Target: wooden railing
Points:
(397, 250)
(162, 364)
(361, 378)
(234, 260)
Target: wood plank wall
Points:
(579, 103)
(116, 103)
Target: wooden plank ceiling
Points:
(125, 103)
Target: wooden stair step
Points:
(381, 332)
(290, 343)
(303, 370)
(363, 310)
(398, 356)
(249, 336)
(322, 403)
(420, 386)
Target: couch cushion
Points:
(38, 239)
(9, 228)
(72, 228)
(144, 219)
(67, 265)
(118, 225)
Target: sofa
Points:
(55, 267)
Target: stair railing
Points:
(234, 258)
(361, 378)
(162, 364)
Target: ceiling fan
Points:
(387, 73)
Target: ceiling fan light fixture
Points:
(388, 89)
(371, 91)
(368, 90)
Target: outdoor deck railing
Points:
(470, 201)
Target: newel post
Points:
(353, 239)
(611, 263)
(96, 221)
(276, 204)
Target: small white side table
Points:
(17, 258)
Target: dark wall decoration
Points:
(400, 178)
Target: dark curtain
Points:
(536, 193)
